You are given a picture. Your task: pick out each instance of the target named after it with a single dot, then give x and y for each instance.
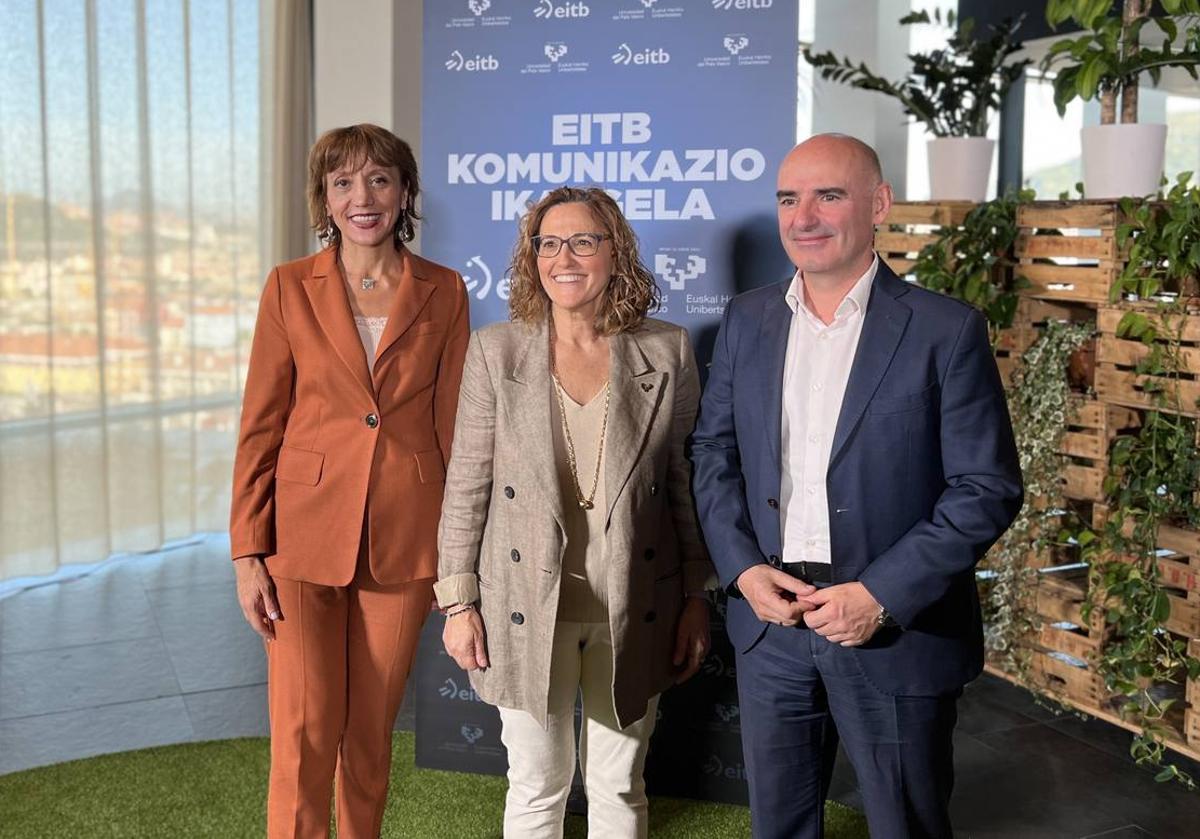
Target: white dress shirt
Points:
(816, 369)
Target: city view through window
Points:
(129, 269)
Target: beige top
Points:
(370, 330)
(583, 595)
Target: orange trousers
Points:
(335, 679)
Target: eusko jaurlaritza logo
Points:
(650, 55)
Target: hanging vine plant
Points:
(1153, 478)
(1039, 403)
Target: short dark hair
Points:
(353, 146)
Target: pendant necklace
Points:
(368, 284)
(585, 502)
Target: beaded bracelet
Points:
(467, 607)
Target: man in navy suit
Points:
(853, 461)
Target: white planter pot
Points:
(1120, 160)
(959, 168)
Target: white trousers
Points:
(541, 762)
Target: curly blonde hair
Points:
(353, 146)
(631, 294)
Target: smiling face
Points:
(364, 203)
(829, 199)
(574, 284)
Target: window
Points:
(129, 269)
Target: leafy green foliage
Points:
(961, 262)
(952, 90)
(1039, 405)
(1163, 237)
(1108, 56)
(1153, 476)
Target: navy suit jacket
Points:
(923, 475)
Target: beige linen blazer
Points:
(502, 539)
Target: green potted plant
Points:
(953, 91)
(1163, 237)
(1105, 62)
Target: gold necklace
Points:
(584, 503)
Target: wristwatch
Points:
(885, 617)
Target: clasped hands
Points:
(844, 614)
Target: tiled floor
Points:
(153, 650)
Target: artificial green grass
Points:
(218, 789)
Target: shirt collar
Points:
(855, 300)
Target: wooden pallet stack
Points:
(1029, 323)
(911, 225)
(1118, 381)
(1092, 426)
(1065, 645)
(1068, 254)
(1068, 251)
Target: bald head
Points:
(830, 194)
(863, 158)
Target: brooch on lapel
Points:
(646, 386)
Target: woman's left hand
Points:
(691, 638)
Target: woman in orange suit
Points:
(346, 426)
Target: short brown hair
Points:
(631, 293)
(353, 146)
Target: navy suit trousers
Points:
(794, 688)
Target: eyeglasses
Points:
(581, 244)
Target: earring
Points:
(330, 233)
(404, 230)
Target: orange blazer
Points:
(328, 439)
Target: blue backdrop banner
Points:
(682, 109)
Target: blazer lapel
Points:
(637, 389)
(412, 293)
(332, 309)
(527, 403)
(776, 322)
(883, 327)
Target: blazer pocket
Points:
(902, 404)
(430, 466)
(299, 466)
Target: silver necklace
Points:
(369, 284)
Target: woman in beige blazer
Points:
(569, 552)
(346, 426)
